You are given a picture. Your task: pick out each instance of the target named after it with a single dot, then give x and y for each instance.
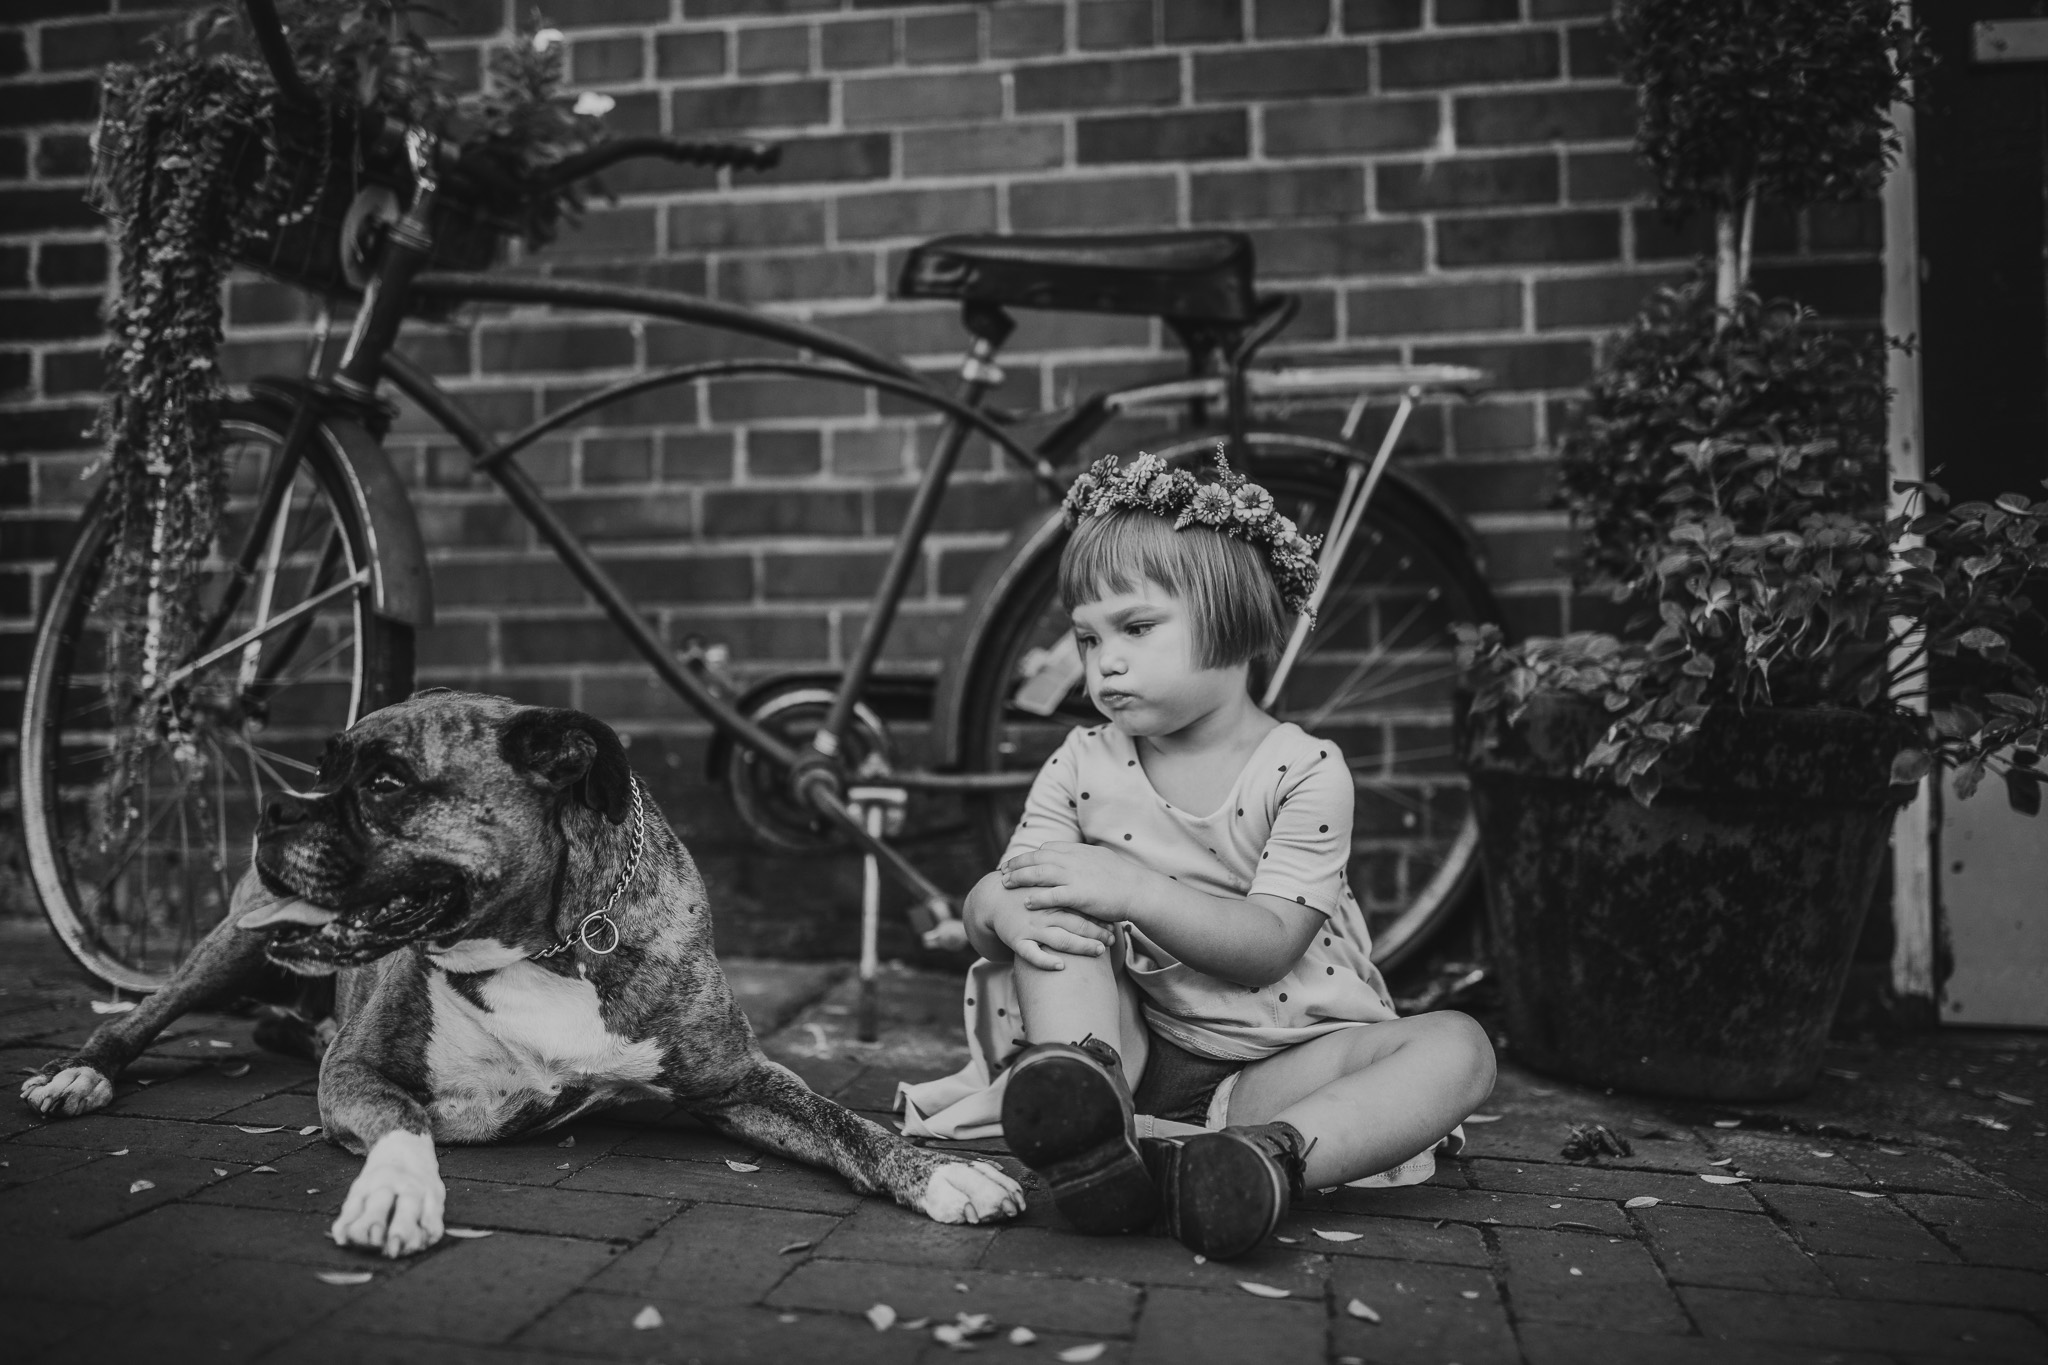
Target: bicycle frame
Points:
(816, 777)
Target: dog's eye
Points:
(385, 783)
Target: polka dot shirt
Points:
(1283, 830)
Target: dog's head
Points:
(434, 820)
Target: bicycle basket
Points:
(318, 170)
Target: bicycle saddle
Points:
(1191, 276)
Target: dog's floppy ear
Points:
(571, 749)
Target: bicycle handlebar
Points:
(740, 155)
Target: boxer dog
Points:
(517, 937)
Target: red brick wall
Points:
(1435, 179)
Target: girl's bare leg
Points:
(1370, 1098)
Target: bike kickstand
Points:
(880, 811)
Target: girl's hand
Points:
(1042, 938)
(1081, 878)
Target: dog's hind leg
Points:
(221, 967)
(771, 1108)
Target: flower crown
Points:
(1232, 504)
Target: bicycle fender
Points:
(1028, 544)
(401, 588)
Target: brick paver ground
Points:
(1882, 1219)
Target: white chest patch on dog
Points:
(539, 1035)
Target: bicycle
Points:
(321, 579)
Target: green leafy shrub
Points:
(1752, 413)
(1742, 100)
(1728, 477)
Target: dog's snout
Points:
(284, 809)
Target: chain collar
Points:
(600, 923)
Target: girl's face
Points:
(1139, 650)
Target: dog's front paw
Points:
(71, 1091)
(970, 1192)
(396, 1203)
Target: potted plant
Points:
(1683, 824)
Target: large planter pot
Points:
(1696, 947)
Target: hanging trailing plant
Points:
(202, 163)
(183, 129)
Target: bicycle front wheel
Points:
(1376, 677)
(136, 833)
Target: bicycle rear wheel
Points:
(1376, 677)
(132, 878)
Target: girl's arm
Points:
(1252, 940)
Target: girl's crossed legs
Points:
(1367, 1098)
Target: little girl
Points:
(1172, 913)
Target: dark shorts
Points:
(1179, 1084)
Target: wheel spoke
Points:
(1378, 652)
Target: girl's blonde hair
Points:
(1225, 582)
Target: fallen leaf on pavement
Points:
(1868, 1194)
(1820, 1153)
(279, 1128)
(309, 1130)
(915, 1324)
(112, 1006)
(1358, 1309)
(882, 1316)
(1022, 1336)
(234, 1070)
(1576, 1271)
(469, 1232)
(647, 1319)
(218, 1042)
(974, 1324)
(1468, 1293)
(946, 1334)
(343, 1276)
(1291, 1241)
(569, 1141)
(1484, 1118)
(1724, 1161)
(1079, 1355)
(1577, 1226)
(1201, 1259)
(1892, 1151)
(1726, 1179)
(220, 1170)
(1727, 1123)
(2011, 1098)
(122, 1152)
(1987, 1121)
(742, 1166)
(563, 1167)
(1337, 1236)
(793, 1246)
(1264, 1291)
(139, 1186)
(1643, 1201)
(1590, 1140)
(263, 1170)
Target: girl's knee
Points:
(1467, 1050)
